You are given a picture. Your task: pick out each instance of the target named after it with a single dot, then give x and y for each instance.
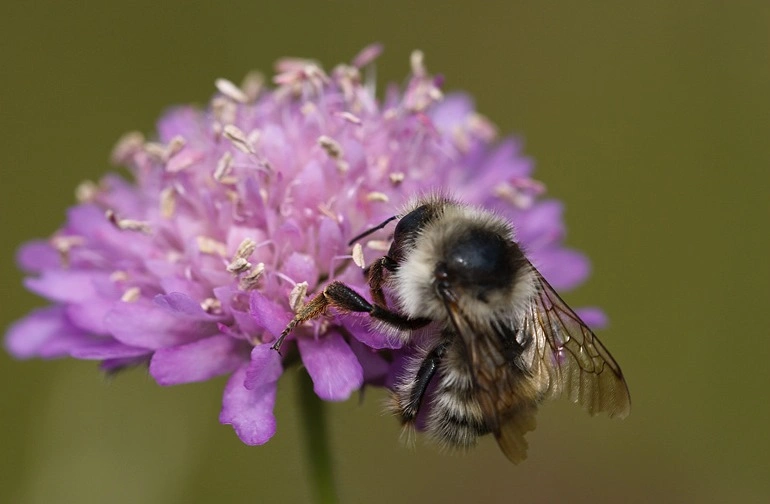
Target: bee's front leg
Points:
(375, 276)
(342, 297)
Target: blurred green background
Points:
(649, 119)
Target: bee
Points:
(497, 340)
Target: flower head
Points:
(239, 211)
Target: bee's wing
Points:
(571, 357)
(507, 399)
(550, 352)
(559, 356)
(510, 435)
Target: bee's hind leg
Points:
(342, 297)
(411, 396)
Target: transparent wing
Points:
(569, 358)
(507, 395)
(548, 352)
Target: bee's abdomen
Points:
(455, 418)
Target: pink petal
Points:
(64, 343)
(187, 287)
(268, 315)
(301, 268)
(330, 242)
(146, 325)
(374, 365)
(265, 367)
(368, 334)
(367, 55)
(66, 286)
(563, 268)
(332, 365)
(184, 121)
(106, 350)
(182, 304)
(90, 315)
(593, 317)
(37, 255)
(452, 112)
(541, 225)
(506, 160)
(250, 412)
(28, 337)
(197, 361)
(184, 159)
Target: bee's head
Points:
(455, 253)
(477, 261)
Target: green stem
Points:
(316, 441)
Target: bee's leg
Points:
(342, 297)
(427, 369)
(311, 310)
(375, 274)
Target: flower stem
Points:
(316, 442)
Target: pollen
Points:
(127, 224)
(351, 118)
(250, 280)
(358, 255)
(125, 148)
(297, 296)
(167, 202)
(131, 295)
(86, 192)
(396, 178)
(211, 246)
(119, 276)
(378, 245)
(332, 147)
(238, 139)
(245, 249)
(252, 85)
(238, 266)
(211, 305)
(377, 196)
(224, 166)
(230, 90)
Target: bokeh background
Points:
(649, 119)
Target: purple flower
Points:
(240, 211)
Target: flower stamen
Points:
(86, 192)
(297, 296)
(231, 91)
(63, 245)
(224, 167)
(249, 280)
(127, 224)
(212, 306)
(358, 255)
(208, 245)
(167, 202)
(126, 147)
(131, 295)
(238, 139)
(396, 178)
(377, 196)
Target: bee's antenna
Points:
(372, 230)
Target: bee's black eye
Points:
(481, 259)
(411, 222)
(407, 228)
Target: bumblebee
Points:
(500, 339)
